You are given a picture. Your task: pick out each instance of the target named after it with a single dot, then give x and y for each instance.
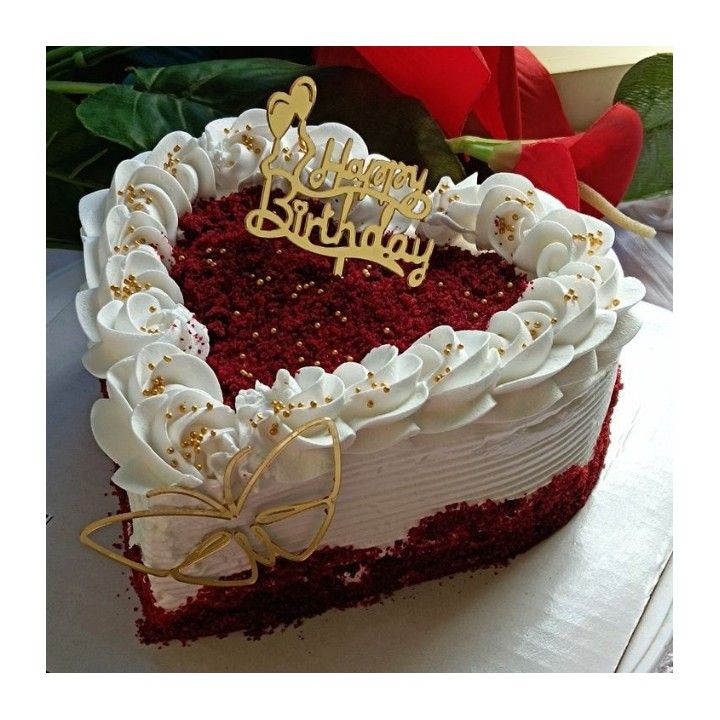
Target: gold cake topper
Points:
(330, 233)
(230, 509)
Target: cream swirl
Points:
(382, 392)
(523, 340)
(125, 327)
(158, 369)
(140, 270)
(182, 437)
(290, 403)
(454, 211)
(571, 304)
(459, 369)
(122, 232)
(509, 205)
(236, 146)
(181, 155)
(149, 189)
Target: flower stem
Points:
(74, 88)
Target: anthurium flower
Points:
(505, 94)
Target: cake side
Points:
(458, 538)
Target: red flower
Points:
(504, 93)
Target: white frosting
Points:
(544, 363)
(125, 327)
(182, 156)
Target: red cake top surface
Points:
(268, 304)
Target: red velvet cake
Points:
(419, 383)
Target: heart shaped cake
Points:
(301, 430)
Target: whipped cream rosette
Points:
(454, 211)
(460, 370)
(381, 394)
(509, 205)
(182, 156)
(290, 403)
(122, 232)
(124, 275)
(184, 436)
(235, 147)
(125, 327)
(148, 189)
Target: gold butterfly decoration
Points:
(229, 509)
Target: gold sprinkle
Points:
(370, 403)
(316, 325)
(273, 429)
(182, 408)
(151, 366)
(293, 296)
(170, 450)
(466, 293)
(616, 302)
(501, 294)
(386, 330)
(273, 330)
(256, 334)
(476, 315)
(168, 415)
(328, 399)
(301, 359)
(209, 406)
(313, 404)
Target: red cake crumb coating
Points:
(269, 304)
(461, 537)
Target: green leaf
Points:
(186, 97)
(76, 163)
(648, 87)
(138, 119)
(390, 123)
(229, 86)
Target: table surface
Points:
(596, 596)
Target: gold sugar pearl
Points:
(301, 359)
(483, 301)
(209, 406)
(386, 330)
(316, 325)
(510, 284)
(370, 403)
(328, 399)
(293, 296)
(236, 312)
(260, 281)
(501, 294)
(466, 293)
(273, 330)
(256, 334)
(349, 358)
(313, 404)
(151, 366)
(299, 343)
(476, 315)
(167, 358)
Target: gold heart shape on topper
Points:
(283, 108)
(255, 542)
